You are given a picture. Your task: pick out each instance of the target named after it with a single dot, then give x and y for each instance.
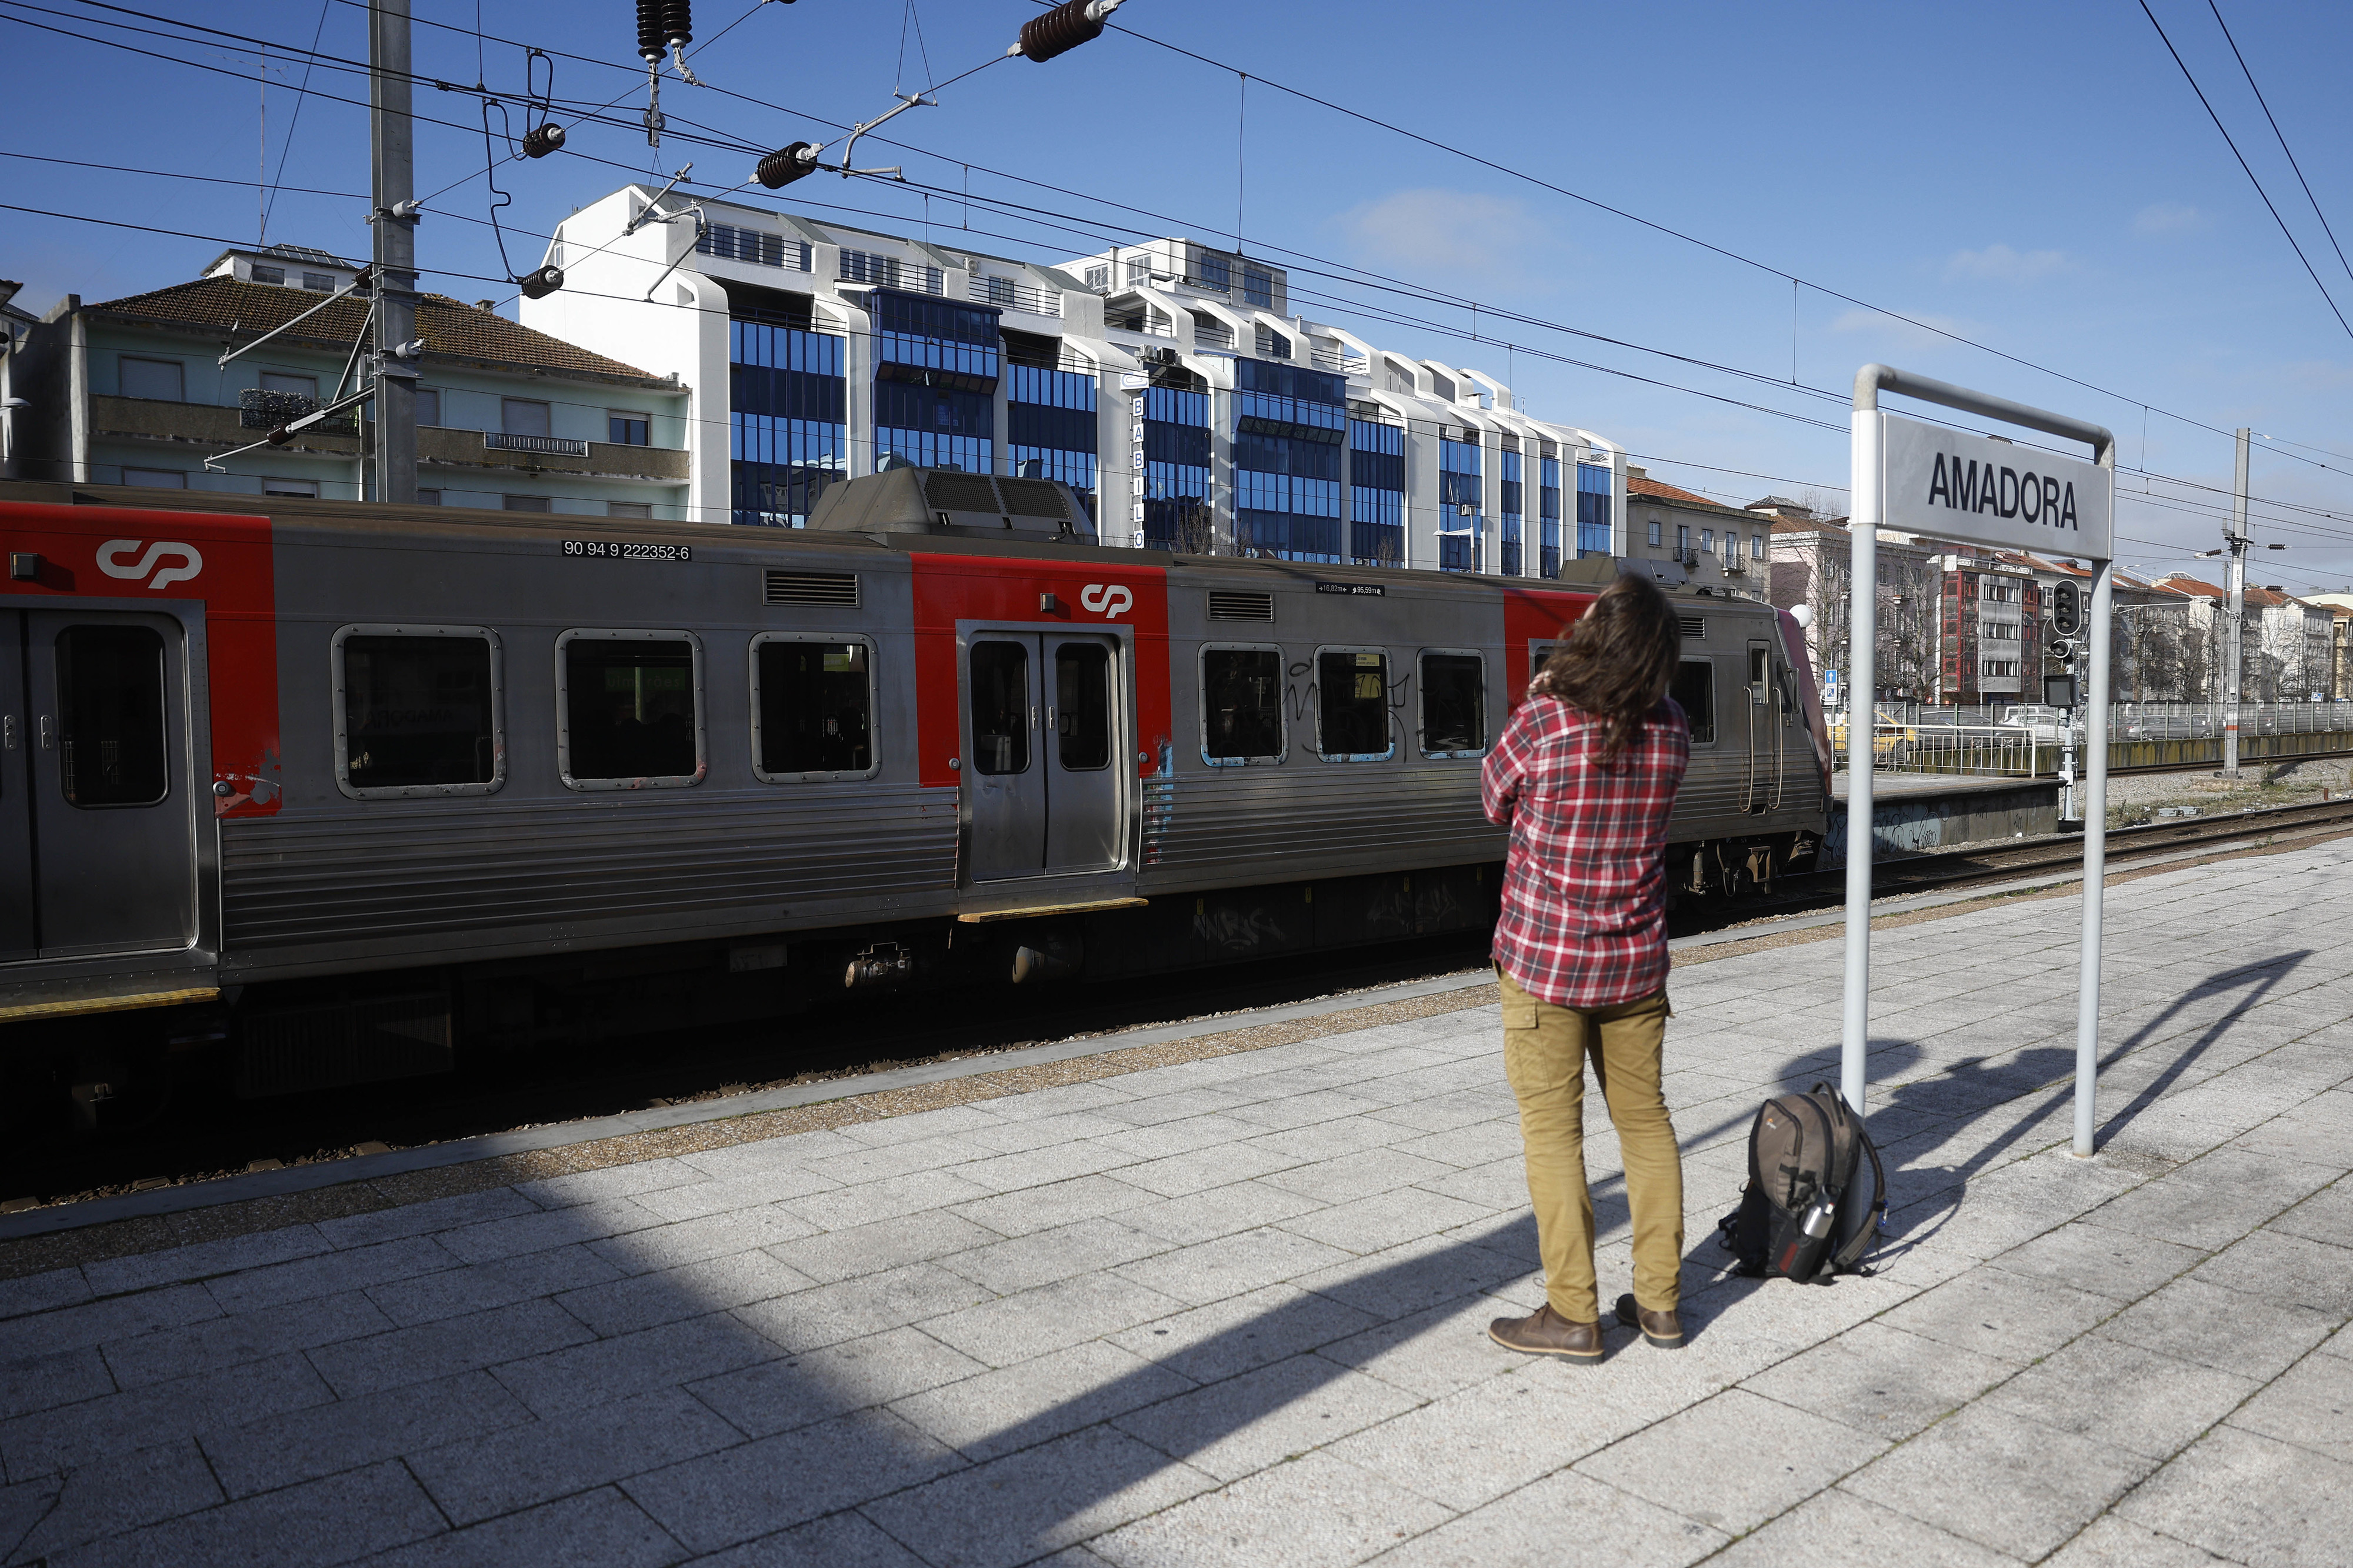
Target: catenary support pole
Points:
(1861, 679)
(391, 135)
(2233, 649)
(2096, 848)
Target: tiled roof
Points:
(1644, 485)
(446, 325)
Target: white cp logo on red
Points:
(189, 563)
(1109, 600)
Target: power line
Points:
(2282, 138)
(2243, 165)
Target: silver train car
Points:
(318, 794)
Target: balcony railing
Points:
(550, 446)
(1010, 295)
(889, 272)
(1342, 360)
(1153, 323)
(260, 410)
(1212, 334)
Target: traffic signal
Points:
(2067, 609)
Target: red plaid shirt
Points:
(1585, 908)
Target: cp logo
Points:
(111, 554)
(1107, 599)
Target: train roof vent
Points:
(1694, 629)
(813, 588)
(1226, 604)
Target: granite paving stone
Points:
(1233, 1310)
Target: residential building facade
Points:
(1723, 548)
(142, 391)
(1172, 385)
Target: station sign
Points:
(1949, 484)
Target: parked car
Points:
(2039, 720)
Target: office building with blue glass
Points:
(1172, 385)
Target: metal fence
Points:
(2016, 740)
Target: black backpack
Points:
(1816, 1191)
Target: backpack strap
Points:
(1849, 1257)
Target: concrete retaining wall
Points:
(1917, 822)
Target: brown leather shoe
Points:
(1546, 1332)
(1663, 1330)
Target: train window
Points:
(629, 710)
(1083, 705)
(416, 711)
(1539, 655)
(1000, 708)
(1453, 704)
(812, 708)
(111, 715)
(1352, 686)
(1694, 691)
(1241, 706)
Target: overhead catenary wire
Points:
(2282, 138)
(1308, 97)
(1604, 369)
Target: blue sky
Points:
(2036, 178)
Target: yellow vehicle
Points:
(1893, 738)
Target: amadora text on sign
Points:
(1948, 484)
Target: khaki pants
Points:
(1545, 1051)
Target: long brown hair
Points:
(1617, 660)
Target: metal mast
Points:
(391, 136)
(2233, 647)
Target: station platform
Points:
(1230, 1310)
(1912, 814)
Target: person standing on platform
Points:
(1585, 776)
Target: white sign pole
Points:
(1924, 478)
(2096, 854)
(1861, 677)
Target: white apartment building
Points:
(1170, 382)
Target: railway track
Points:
(1962, 868)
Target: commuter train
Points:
(317, 793)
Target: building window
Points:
(522, 416)
(1258, 288)
(1175, 479)
(1051, 431)
(164, 380)
(889, 272)
(288, 385)
(1548, 511)
(1756, 547)
(1098, 278)
(263, 273)
(1272, 344)
(639, 508)
(319, 282)
(156, 478)
(523, 503)
(428, 405)
(1212, 271)
(1511, 493)
(1593, 518)
(623, 428)
(428, 498)
(789, 432)
(1656, 527)
(1376, 493)
(296, 490)
(733, 243)
(1708, 542)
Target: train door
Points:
(108, 802)
(1767, 747)
(18, 936)
(1047, 730)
